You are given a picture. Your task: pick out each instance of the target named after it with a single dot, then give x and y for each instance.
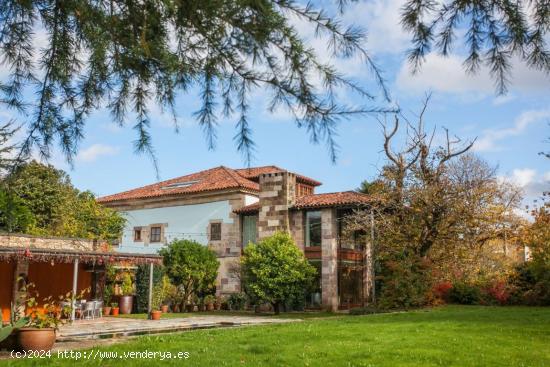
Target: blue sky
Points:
(510, 129)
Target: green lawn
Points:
(447, 336)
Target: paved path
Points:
(110, 327)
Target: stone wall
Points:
(51, 243)
(228, 249)
(277, 194)
(297, 228)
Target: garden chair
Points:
(88, 310)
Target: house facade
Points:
(226, 209)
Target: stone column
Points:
(329, 258)
(277, 194)
(21, 270)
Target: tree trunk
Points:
(277, 307)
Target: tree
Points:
(126, 55)
(276, 271)
(55, 206)
(537, 235)
(43, 189)
(493, 31)
(14, 215)
(7, 148)
(437, 207)
(190, 265)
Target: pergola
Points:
(15, 254)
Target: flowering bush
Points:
(441, 291)
(405, 283)
(497, 291)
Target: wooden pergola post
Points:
(75, 282)
(150, 303)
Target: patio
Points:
(113, 327)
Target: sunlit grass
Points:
(447, 336)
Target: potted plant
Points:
(127, 298)
(114, 309)
(209, 301)
(8, 332)
(168, 290)
(157, 298)
(191, 302)
(107, 293)
(39, 332)
(218, 303)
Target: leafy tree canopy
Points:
(275, 270)
(126, 55)
(55, 206)
(190, 265)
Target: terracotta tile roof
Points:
(218, 178)
(249, 209)
(332, 199)
(319, 201)
(254, 172)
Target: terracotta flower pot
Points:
(125, 304)
(36, 339)
(176, 308)
(218, 306)
(114, 311)
(106, 310)
(155, 315)
(164, 308)
(209, 307)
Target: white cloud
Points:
(93, 152)
(447, 74)
(490, 138)
(523, 177)
(381, 19)
(532, 185)
(500, 100)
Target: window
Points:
(313, 228)
(313, 294)
(215, 231)
(249, 229)
(137, 234)
(155, 234)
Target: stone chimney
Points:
(277, 194)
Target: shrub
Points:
(497, 292)
(531, 284)
(142, 285)
(275, 271)
(237, 301)
(191, 266)
(405, 283)
(465, 294)
(441, 290)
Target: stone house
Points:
(226, 209)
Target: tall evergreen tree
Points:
(126, 55)
(492, 31)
